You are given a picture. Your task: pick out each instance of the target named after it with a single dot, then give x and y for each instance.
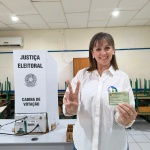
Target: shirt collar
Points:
(110, 70)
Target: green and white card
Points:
(118, 97)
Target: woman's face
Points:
(103, 53)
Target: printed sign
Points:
(30, 81)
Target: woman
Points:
(99, 126)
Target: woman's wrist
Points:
(126, 124)
(121, 123)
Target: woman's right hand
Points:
(71, 99)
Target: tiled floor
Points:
(139, 135)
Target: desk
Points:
(54, 140)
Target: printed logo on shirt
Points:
(112, 89)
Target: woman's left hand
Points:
(127, 114)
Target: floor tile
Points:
(144, 146)
(134, 146)
(148, 135)
(142, 126)
(140, 138)
(146, 132)
(135, 130)
(130, 139)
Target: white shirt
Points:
(96, 127)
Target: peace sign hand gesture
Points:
(71, 99)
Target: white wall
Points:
(134, 62)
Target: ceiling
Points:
(69, 14)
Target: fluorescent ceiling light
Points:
(115, 13)
(14, 18)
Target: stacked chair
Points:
(142, 98)
(5, 103)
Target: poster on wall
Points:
(35, 81)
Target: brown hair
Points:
(99, 37)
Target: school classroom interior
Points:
(63, 29)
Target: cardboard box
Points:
(69, 134)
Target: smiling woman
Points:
(87, 96)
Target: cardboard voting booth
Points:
(36, 91)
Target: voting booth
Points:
(36, 91)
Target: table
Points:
(53, 140)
